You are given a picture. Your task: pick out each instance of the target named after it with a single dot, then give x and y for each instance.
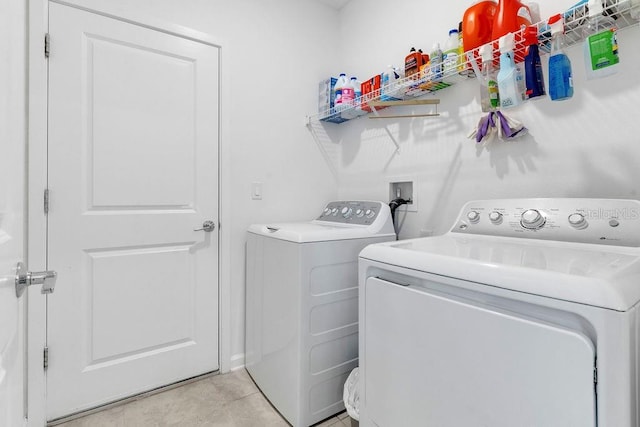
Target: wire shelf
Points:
(624, 12)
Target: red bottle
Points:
(477, 24)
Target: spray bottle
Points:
(532, 65)
(600, 43)
(489, 95)
(510, 81)
(436, 58)
(560, 74)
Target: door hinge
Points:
(45, 358)
(47, 45)
(46, 200)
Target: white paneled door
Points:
(12, 220)
(133, 172)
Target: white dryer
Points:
(302, 306)
(524, 314)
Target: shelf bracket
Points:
(386, 128)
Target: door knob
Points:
(26, 278)
(207, 226)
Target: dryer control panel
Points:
(598, 221)
(352, 212)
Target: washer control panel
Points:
(351, 212)
(599, 221)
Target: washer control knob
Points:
(495, 217)
(359, 213)
(346, 212)
(532, 219)
(334, 211)
(370, 213)
(327, 211)
(473, 217)
(577, 220)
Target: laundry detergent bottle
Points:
(510, 81)
(511, 17)
(560, 72)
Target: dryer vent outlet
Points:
(406, 190)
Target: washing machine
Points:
(302, 306)
(524, 314)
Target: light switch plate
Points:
(256, 191)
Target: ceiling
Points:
(336, 4)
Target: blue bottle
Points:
(560, 74)
(532, 65)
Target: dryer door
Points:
(433, 361)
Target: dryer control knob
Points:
(359, 213)
(370, 213)
(473, 217)
(327, 211)
(495, 217)
(577, 220)
(334, 211)
(346, 212)
(532, 219)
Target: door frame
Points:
(37, 182)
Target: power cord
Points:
(393, 206)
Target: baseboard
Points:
(237, 362)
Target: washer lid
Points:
(597, 275)
(316, 231)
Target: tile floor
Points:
(230, 400)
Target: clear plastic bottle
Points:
(510, 81)
(435, 59)
(560, 73)
(600, 43)
(451, 53)
(489, 94)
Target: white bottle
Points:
(451, 52)
(600, 43)
(338, 102)
(357, 107)
(388, 85)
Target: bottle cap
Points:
(531, 35)
(486, 52)
(413, 49)
(453, 31)
(556, 24)
(343, 74)
(595, 8)
(506, 43)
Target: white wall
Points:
(274, 53)
(583, 147)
